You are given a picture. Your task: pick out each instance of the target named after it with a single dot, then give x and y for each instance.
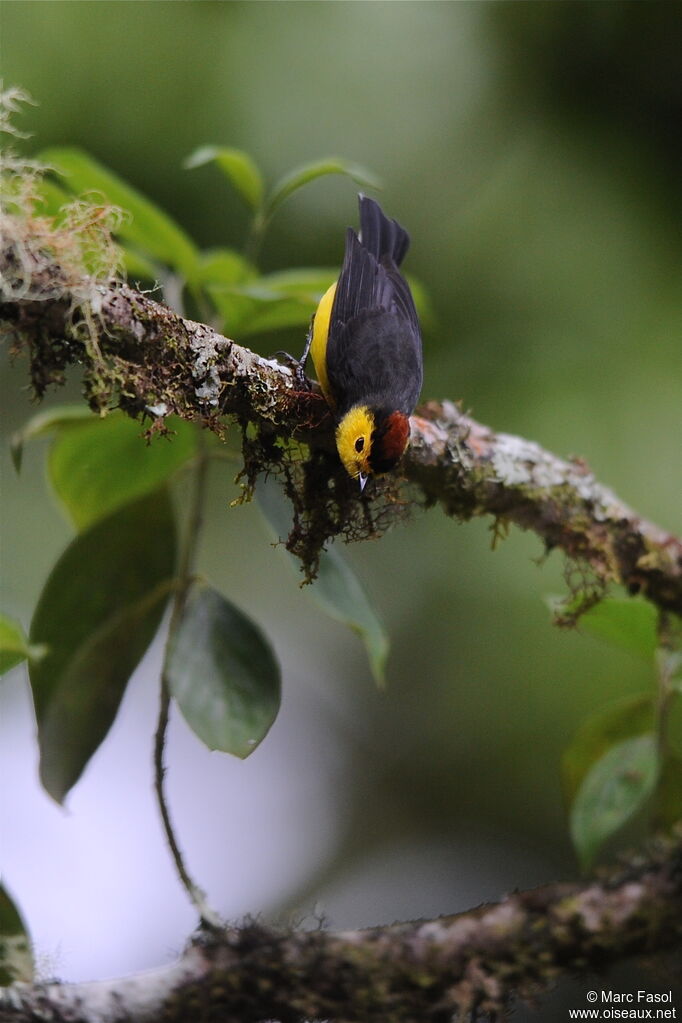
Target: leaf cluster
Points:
(106, 595)
(224, 283)
(625, 762)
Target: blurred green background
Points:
(534, 152)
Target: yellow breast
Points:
(318, 347)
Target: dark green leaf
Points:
(84, 704)
(47, 422)
(148, 227)
(614, 789)
(622, 720)
(337, 589)
(626, 622)
(237, 166)
(300, 176)
(339, 592)
(97, 468)
(13, 644)
(223, 674)
(16, 957)
(97, 614)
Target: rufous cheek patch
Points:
(396, 436)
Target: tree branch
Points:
(431, 970)
(147, 359)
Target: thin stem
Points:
(185, 574)
(254, 238)
(663, 704)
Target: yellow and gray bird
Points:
(366, 347)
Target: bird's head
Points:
(371, 441)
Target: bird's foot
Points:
(297, 367)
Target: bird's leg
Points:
(298, 365)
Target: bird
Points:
(366, 347)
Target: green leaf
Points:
(224, 266)
(223, 674)
(275, 313)
(97, 468)
(337, 590)
(284, 299)
(300, 176)
(622, 720)
(237, 166)
(16, 956)
(304, 282)
(149, 227)
(96, 616)
(13, 644)
(247, 311)
(47, 422)
(627, 622)
(281, 299)
(613, 790)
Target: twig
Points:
(185, 574)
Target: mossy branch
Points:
(452, 968)
(138, 354)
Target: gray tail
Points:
(379, 234)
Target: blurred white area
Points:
(411, 879)
(95, 881)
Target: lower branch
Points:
(447, 969)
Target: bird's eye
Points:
(360, 443)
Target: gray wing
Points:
(374, 344)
